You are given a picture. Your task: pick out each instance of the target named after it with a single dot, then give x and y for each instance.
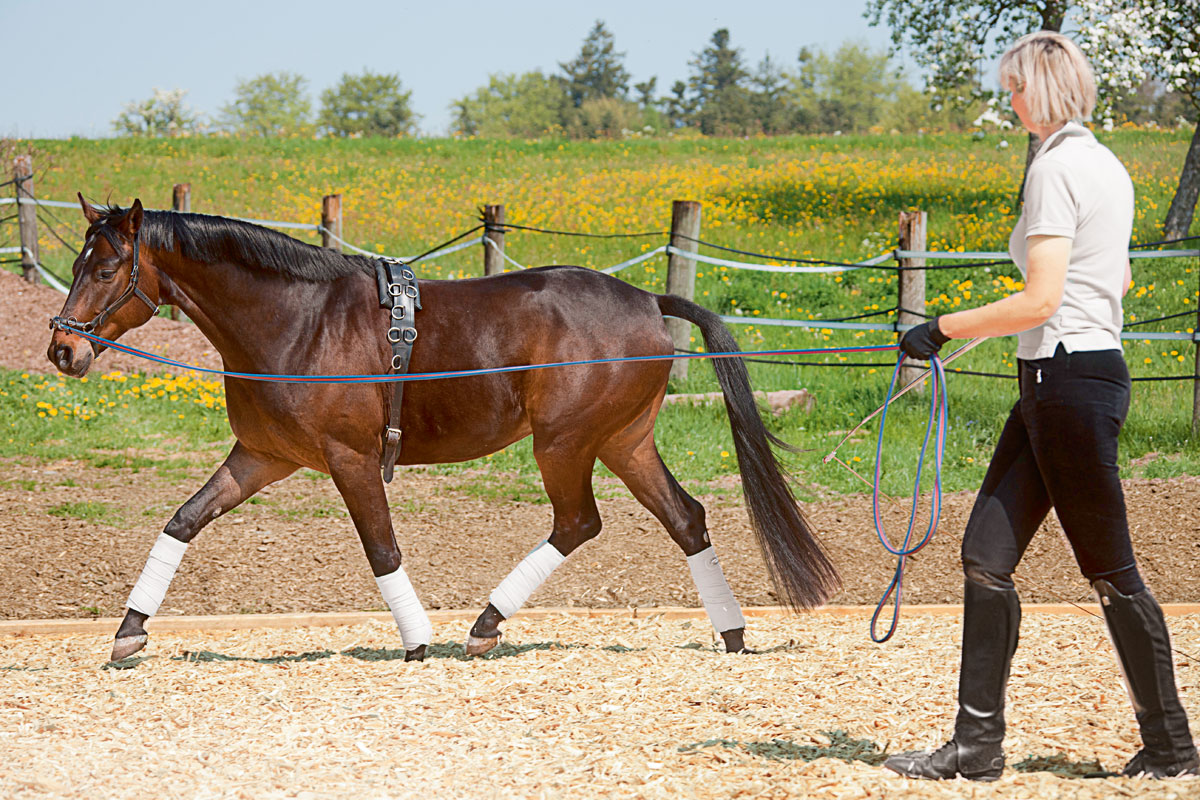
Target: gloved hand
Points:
(924, 340)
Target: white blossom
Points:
(1130, 41)
(1127, 42)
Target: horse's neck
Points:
(239, 310)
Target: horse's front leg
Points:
(243, 473)
(361, 485)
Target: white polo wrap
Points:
(523, 581)
(152, 585)
(411, 619)
(718, 599)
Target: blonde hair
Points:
(1054, 76)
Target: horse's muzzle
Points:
(71, 354)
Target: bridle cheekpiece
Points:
(71, 324)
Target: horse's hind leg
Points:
(243, 473)
(359, 481)
(567, 476)
(637, 463)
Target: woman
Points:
(1059, 445)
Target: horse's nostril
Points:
(63, 356)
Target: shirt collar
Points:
(1070, 130)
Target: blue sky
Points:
(83, 61)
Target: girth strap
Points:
(398, 292)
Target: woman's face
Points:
(1022, 110)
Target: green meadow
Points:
(833, 198)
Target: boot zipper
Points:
(1039, 375)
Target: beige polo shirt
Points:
(1077, 188)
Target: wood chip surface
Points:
(566, 707)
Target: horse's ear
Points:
(131, 222)
(89, 211)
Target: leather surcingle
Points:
(399, 294)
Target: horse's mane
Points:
(209, 239)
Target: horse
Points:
(271, 304)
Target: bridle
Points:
(57, 322)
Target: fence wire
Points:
(781, 264)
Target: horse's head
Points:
(110, 272)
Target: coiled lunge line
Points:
(938, 423)
(938, 418)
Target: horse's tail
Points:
(802, 573)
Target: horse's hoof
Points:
(735, 641)
(416, 654)
(125, 646)
(477, 646)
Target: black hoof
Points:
(735, 641)
(487, 626)
(416, 654)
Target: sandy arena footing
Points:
(567, 706)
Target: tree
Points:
(272, 104)
(369, 104)
(645, 93)
(769, 99)
(679, 107)
(950, 37)
(653, 119)
(853, 87)
(1132, 40)
(718, 86)
(598, 71)
(162, 114)
(526, 106)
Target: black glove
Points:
(924, 340)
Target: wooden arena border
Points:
(235, 622)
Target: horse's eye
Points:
(106, 274)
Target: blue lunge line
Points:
(462, 373)
(939, 421)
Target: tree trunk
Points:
(1183, 206)
(1031, 150)
(1053, 13)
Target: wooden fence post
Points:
(493, 231)
(181, 197)
(912, 279)
(331, 221)
(681, 275)
(181, 200)
(26, 216)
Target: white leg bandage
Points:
(411, 619)
(152, 585)
(523, 581)
(718, 599)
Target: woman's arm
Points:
(1128, 278)
(1045, 275)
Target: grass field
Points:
(824, 197)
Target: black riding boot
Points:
(1139, 634)
(991, 619)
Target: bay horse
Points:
(271, 304)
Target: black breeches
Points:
(1058, 449)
